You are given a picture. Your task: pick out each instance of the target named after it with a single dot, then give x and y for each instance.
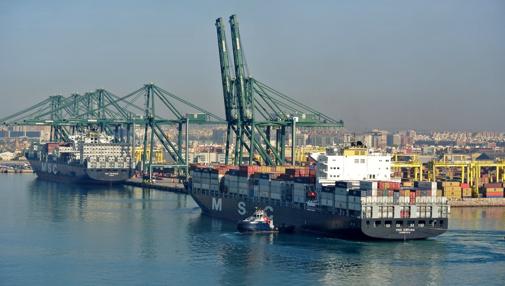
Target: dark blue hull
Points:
(60, 172)
(298, 218)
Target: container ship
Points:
(90, 157)
(348, 193)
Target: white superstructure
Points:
(92, 137)
(353, 164)
(97, 149)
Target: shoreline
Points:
(175, 187)
(160, 185)
(477, 202)
(467, 202)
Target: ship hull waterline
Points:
(300, 219)
(58, 172)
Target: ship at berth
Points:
(349, 193)
(90, 157)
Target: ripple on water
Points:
(132, 236)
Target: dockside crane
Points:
(67, 115)
(150, 107)
(255, 111)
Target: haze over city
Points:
(427, 65)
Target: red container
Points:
(494, 194)
(51, 146)
(298, 172)
(394, 185)
(387, 185)
(493, 185)
(248, 168)
(464, 185)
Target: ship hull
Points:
(300, 218)
(77, 174)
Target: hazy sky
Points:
(374, 64)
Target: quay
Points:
(173, 186)
(164, 184)
(478, 202)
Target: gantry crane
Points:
(255, 111)
(119, 116)
(409, 163)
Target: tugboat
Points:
(259, 222)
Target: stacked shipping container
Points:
(373, 199)
(451, 190)
(492, 190)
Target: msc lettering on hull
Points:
(241, 208)
(217, 204)
(49, 168)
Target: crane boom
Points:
(240, 74)
(224, 60)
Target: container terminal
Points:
(260, 122)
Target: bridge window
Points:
(399, 223)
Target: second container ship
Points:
(89, 157)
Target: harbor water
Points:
(63, 234)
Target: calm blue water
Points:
(57, 234)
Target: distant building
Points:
(207, 158)
(218, 136)
(20, 133)
(345, 138)
(321, 140)
(301, 139)
(7, 156)
(394, 140)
